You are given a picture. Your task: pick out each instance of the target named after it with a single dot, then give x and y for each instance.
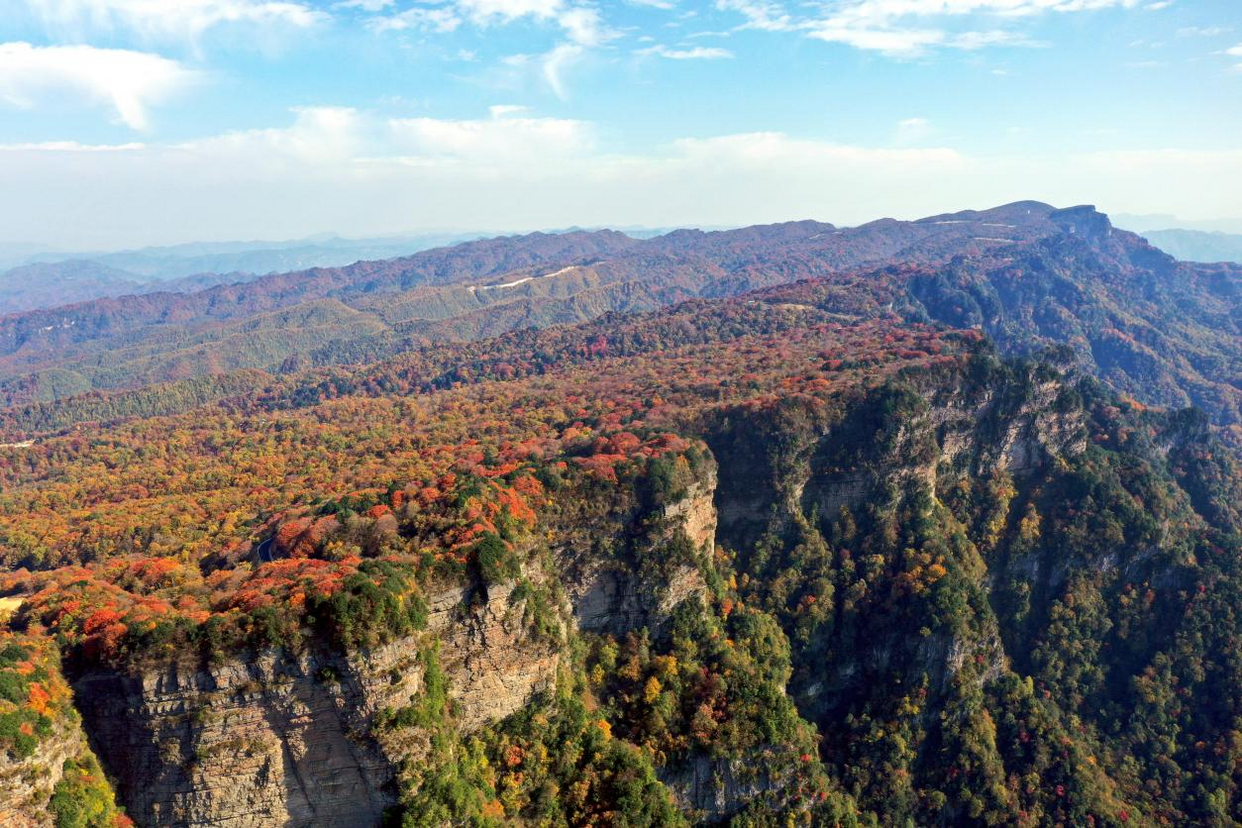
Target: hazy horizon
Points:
(22, 250)
(127, 123)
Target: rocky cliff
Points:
(48, 774)
(900, 449)
(280, 738)
(904, 566)
(291, 738)
(26, 785)
(616, 593)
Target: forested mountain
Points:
(1166, 332)
(48, 285)
(909, 523)
(47, 280)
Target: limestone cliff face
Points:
(612, 593)
(924, 435)
(696, 511)
(281, 738)
(27, 784)
(711, 790)
(278, 738)
(953, 432)
(791, 461)
(262, 742)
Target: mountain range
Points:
(40, 279)
(1027, 274)
(913, 523)
(1198, 245)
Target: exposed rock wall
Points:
(493, 664)
(711, 790)
(955, 432)
(613, 594)
(27, 784)
(696, 512)
(280, 738)
(925, 434)
(285, 739)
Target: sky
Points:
(136, 122)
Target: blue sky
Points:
(127, 122)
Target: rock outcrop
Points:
(614, 594)
(278, 738)
(26, 785)
(711, 790)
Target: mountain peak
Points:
(1083, 220)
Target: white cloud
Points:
(166, 20)
(759, 14)
(581, 25)
(484, 11)
(128, 82)
(501, 110)
(1203, 31)
(556, 62)
(550, 67)
(993, 37)
(70, 146)
(912, 129)
(695, 53)
(512, 170)
(502, 138)
(584, 27)
(878, 12)
(905, 28)
(320, 135)
(888, 41)
(431, 20)
(1234, 51)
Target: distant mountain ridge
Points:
(1198, 245)
(1030, 275)
(44, 279)
(54, 284)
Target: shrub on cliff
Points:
(497, 562)
(83, 798)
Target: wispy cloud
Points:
(759, 14)
(549, 68)
(556, 62)
(691, 53)
(439, 20)
(581, 25)
(364, 5)
(881, 11)
(127, 82)
(906, 28)
(888, 41)
(508, 136)
(912, 130)
(164, 20)
(1203, 31)
(481, 172)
